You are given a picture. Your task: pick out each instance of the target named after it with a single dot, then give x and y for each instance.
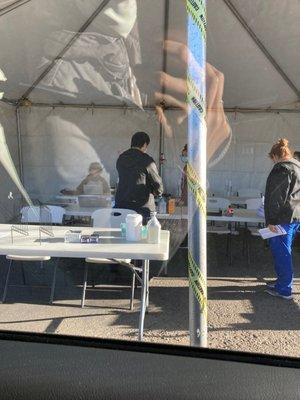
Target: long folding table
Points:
(239, 215)
(111, 246)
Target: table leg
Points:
(144, 290)
(147, 293)
(53, 282)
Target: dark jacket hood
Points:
(290, 164)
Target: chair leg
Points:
(53, 282)
(93, 278)
(86, 267)
(23, 273)
(132, 291)
(248, 248)
(244, 243)
(166, 267)
(229, 248)
(6, 281)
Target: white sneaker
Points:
(273, 292)
(271, 285)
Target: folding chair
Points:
(38, 215)
(110, 218)
(221, 228)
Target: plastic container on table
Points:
(154, 229)
(162, 206)
(134, 227)
(171, 206)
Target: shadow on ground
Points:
(168, 312)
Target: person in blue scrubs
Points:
(282, 207)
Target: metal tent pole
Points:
(19, 140)
(196, 172)
(163, 90)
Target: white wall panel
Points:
(8, 205)
(253, 137)
(59, 145)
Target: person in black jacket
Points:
(139, 180)
(282, 207)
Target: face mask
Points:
(184, 159)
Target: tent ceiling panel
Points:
(27, 47)
(150, 17)
(277, 25)
(177, 33)
(81, 76)
(6, 5)
(95, 68)
(250, 79)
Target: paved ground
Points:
(241, 316)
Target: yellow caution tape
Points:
(197, 10)
(197, 283)
(194, 98)
(195, 187)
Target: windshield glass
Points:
(144, 146)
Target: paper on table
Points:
(265, 233)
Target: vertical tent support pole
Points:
(19, 139)
(164, 68)
(196, 172)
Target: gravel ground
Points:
(241, 316)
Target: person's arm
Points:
(155, 180)
(277, 191)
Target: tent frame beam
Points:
(64, 50)
(92, 106)
(264, 50)
(13, 6)
(19, 140)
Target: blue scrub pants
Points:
(281, 247)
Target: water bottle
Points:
(154, 229)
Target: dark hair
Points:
(139, 139)
(297, 155)
(280, 149)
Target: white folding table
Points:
(239, 215)
(77, 211)
(111, 246)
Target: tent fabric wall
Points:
(8, 126)
(58, 145)
(247, 164)
(52, 160)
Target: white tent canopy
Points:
(65, 61)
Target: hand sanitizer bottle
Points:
(154, 229)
